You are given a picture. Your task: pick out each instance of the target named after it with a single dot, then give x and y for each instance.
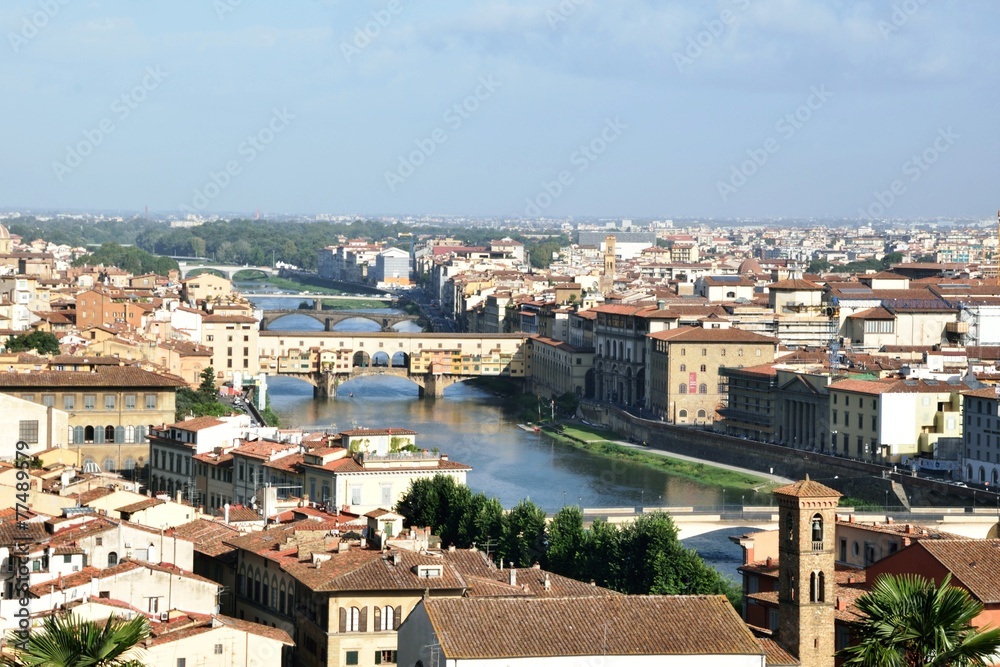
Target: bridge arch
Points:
(330, 319)
(250, 274)
(400, 360)
(198, 270)
(362, 359)
(380, 359)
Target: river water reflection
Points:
(471, 426)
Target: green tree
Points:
(910, 621)
(206, 390)
(41, 342)
(892, 258)
(818, 266)
(482, 524)
(419, 505)
(198, 246)
(65, 640)
(603, 556)
(567, 543)
(523, 540)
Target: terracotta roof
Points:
(141, 505)
(369, 570)
(230, 319)
(196, 424)
(878, 313)
(775, 654)
(700, 335)
(206, 535)
(487, 628)
(973, 563)
(259, 629)
(114, 376)
(807, 488)
(378, 431)
(797, 285)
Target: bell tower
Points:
(807, 518)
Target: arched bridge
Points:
(327, 359)
(227, 270)
(330, 319)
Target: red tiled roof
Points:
(113, 376)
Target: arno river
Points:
(470, 426)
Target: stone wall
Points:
(852, 478)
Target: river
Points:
(471, 427)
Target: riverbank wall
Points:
(871, 483)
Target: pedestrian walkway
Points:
(670, 455)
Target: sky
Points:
(612, 108)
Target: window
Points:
(388, 614)
(28, 430)
(704, 351)
(682, 388)
(218, 649)
(48, 400)
(69, 402)
(350, 620)
(703, 388)
(130, 401)
(109, 401)
(181, 662)
(351, 658)
(874, 423)
(385, 657)
(112, 559)
(89, 400)
(756, 352)
(99, 541)
(356, 494)
(684, 368)
(150, 401)
(843, 550)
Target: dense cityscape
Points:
(500, 333)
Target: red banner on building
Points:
(692, 383)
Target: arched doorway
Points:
(361, 359)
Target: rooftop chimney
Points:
(226, 508)
(513, 576)
(548, 583)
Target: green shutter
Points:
(378, 657)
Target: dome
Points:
(749, 266)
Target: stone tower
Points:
(607, 281)
(609, 257)
(5, 241)
(807, 521)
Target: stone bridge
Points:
(227, 270)
(330, 319)
(328, 359)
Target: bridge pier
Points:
(317, 304)
(433, 386)
(326, 385)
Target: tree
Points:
(911, 621)
(66, 640)
(892, 258)
(523, 541)
(567, 543)
(818, 266)
(41, 342)
(206, 390)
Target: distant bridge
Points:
(433, 362)
(188, 267)
(330, 319)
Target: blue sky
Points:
(718, 108)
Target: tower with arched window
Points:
(806, 523)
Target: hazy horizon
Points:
(713, 110)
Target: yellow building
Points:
(110, 409)
(684, 385)
(205, 286)
(233, 341)
(555, 368)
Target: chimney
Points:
(661, 304)
(180, 495)
(841, 605)
(226, 508)
(850, 579)
(851, 519)
(397, 558)
(769, 561)
(889, 520)
(513, 576)
(909, 529)
(548, 583)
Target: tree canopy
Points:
(66, 640)
(41, 342)
(129, 258)
(910, 621)
(640, 557)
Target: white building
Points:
(981, 437)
